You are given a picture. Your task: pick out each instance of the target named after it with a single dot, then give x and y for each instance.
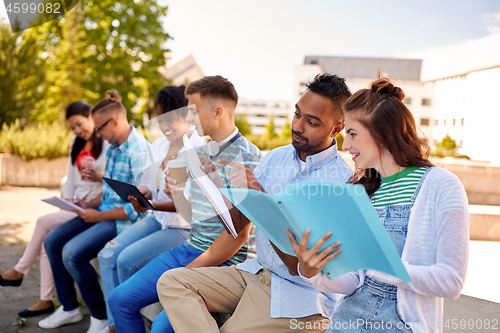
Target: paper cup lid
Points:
(177, 163)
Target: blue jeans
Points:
(372, 308)
(162, 324)
(133, 248)
(126, 300)
(70, 247)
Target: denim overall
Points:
(373, 307)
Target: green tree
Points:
(21, 74)
(340, 141)
(241, 122)
(447, 147)
(270, 129)
(286, 131)
(66, 72)
(106, 45)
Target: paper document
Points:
(207, 186)
(61, 203)
(343, 209)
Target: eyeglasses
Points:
(98, 129)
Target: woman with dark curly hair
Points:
(164, 229)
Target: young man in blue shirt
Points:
(72, 245)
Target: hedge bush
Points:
(264, 143)
(35, 141)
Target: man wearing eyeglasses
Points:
(73, 244)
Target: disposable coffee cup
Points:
(177, 170)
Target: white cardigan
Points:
(435, 254)
(75, 184)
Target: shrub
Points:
(241, 122)
(35, 141)
(340, 141)
(270, 129)
(447, 147)
(286, 131)
(264, 143)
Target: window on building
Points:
(444, 122)
(314, 62)
(454, 122)
(407, 100)
(424, 121)
(436, 122)
(463, 121)
(426, 101)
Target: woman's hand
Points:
(146, 192)
(137, 206)
(310, 261)
(91, 175)
(171, 189)
(81, 203)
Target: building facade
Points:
(359, 72)
(259, 112)
(466, 81)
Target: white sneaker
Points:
(97, 325)
(59, 318)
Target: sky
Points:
(256, 44)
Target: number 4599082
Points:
(40, 8)
(469, 324)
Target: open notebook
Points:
(207, 186)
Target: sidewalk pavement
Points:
(20, 208)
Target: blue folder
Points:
(343, 209)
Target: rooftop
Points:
(358, 67)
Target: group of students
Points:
(182, 255)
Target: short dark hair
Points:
(171, 98)
(215, 87)
(332, 87)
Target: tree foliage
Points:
(243, 126)
(447, 147)
(340, 141)
(270, 129)
(21, 72)
(286, 131)
(102, 45)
